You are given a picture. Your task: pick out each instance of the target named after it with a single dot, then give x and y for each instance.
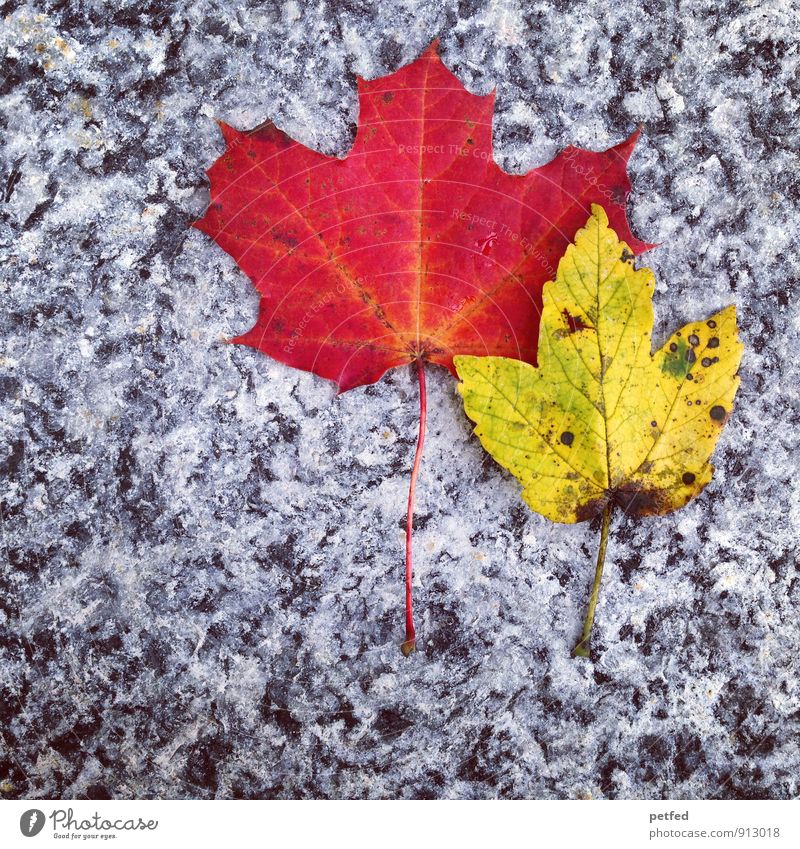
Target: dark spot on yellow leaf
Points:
(713, 342)
(653, 424)
(694, 339)
(567, 437)
(717, 413)
(634, 499)
(690, 376)
(690, 355)
(688, 478)
(575, 322)
(711, 323)
(677, 363)
(591, 509)
(705, 362)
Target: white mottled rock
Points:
(201, 590)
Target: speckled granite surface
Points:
(201, 586)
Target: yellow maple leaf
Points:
(603, 422)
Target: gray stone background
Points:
(201, 586)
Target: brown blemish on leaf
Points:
(634, 499)
(591, 509)
(268, 133)
(575, 322)
(718, 413)
(284, 238)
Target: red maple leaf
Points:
(414, 247)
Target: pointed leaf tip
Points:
(599, 214)
(626, 146)
(229, 133)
